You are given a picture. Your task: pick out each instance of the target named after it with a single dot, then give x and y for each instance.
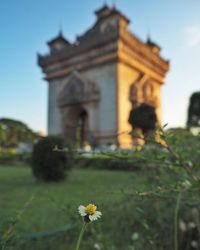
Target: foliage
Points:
(184, 148)
(2, 133)
(139, 207)
(49, 164)
(12, 132)
(143, 117)
(10, 157)
(194, 110)
(108, 161)
(151, 156)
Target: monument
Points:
(94, 82)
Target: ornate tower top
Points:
(154, 47)
(108, 40)
(103, 11)
(106, 11)
(58, 43)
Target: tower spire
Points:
(148, 35)
(114, 3)
(60, 29)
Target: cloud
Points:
(192, 35)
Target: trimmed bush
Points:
(49, 164)
(194, 111)
(143, 117)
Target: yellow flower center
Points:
(90, 209)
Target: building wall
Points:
(103, 117)
(110, 116)
(126, 76)
(54, 115)
(106, 78)
(157, 98)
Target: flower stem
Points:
(80, 236)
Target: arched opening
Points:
(78, 98)
(76, 125)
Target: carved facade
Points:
(95, 81)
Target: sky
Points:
(26, 26)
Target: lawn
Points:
(55, 204)
(128, 222)
(82, 186)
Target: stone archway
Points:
(77, 100)
(75, 125)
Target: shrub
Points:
(143, 117)
(108, 163)
(49, 164)
(194, 110)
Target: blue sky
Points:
(26, 26)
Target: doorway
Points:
(76, 125)
(82, 128)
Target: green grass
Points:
(55, 204)
(17, 185)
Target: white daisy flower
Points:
(89, 212)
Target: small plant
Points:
(49, 164)
(89, 214)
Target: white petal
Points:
(98, 214)
(81, 210)
(95, 216)
(92, 217)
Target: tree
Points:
(194, 111)
(12, 132)
(2, 135)
(143, 117)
